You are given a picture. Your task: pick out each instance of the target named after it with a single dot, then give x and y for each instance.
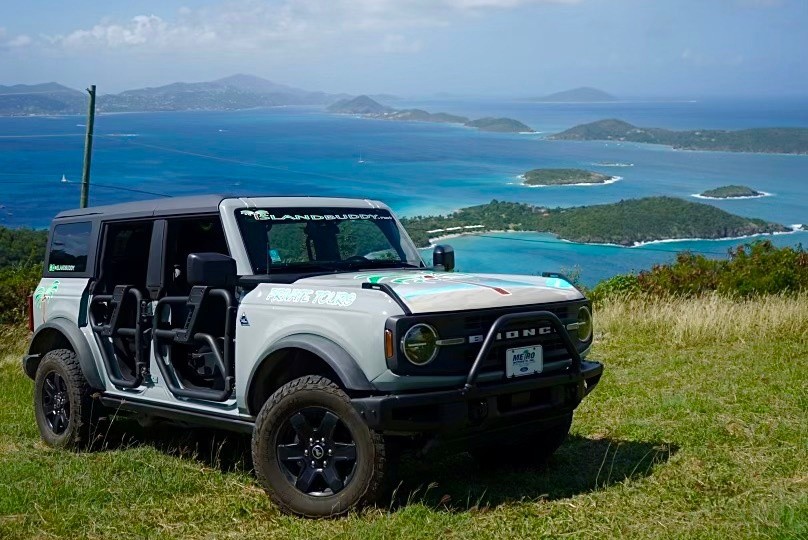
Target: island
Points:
(235, 92)
(759, 140)
(563, 177)
(731, 192)
(500, 125)
(370, 108)
(420, 115)
(359, 105)
(627, 223)
(584, 94)
(38, 99)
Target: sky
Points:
(528, 48)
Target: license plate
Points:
(523, 361)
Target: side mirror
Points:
(443, 256)
(212, 270)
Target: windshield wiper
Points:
(378, 263)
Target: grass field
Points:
(699, 429)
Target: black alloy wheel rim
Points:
(316, 451)
(55, 402)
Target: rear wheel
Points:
(313, 453)
(536, 447)
(65, 411)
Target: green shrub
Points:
(21, 246)
(619, 285)
(750, 270)
(761, 268)
(16, 283)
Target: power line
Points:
(41, 136)
(238, 161)
(75, 184)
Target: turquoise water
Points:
(416, 168)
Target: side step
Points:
(202, 419)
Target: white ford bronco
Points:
(311, 323)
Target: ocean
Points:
(416, 168)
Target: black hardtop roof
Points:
(196, 204)
(169, 206)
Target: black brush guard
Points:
(473, 405)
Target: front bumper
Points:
(481, 408)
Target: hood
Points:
(429, 292)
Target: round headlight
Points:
(584, 324)
(420, 344)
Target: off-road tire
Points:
(369, 476)
(535, 448)
(81, 411)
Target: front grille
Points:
(553, 350)
(457, 359)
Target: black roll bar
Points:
(555, 323)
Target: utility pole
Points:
(88, 149)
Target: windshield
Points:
(331, 239)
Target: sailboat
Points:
(360, 158)
(64, 179)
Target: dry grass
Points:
(712, 319)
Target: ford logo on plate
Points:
(524, 368)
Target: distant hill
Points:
(500, 125)
(579, 95)
(230, 93)
(771, 140)
(46, 98)
(420, 115)
(359, 105)
(366, 106)
(626, 222)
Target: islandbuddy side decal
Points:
(61, 267)
(288, 295)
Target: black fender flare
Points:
(343, 364)
(74, 336)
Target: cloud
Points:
(262, 25)
(16, 42)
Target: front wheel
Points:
(313, 453)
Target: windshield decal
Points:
(264, 215)
(288, 295)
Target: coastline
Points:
(795, 228)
